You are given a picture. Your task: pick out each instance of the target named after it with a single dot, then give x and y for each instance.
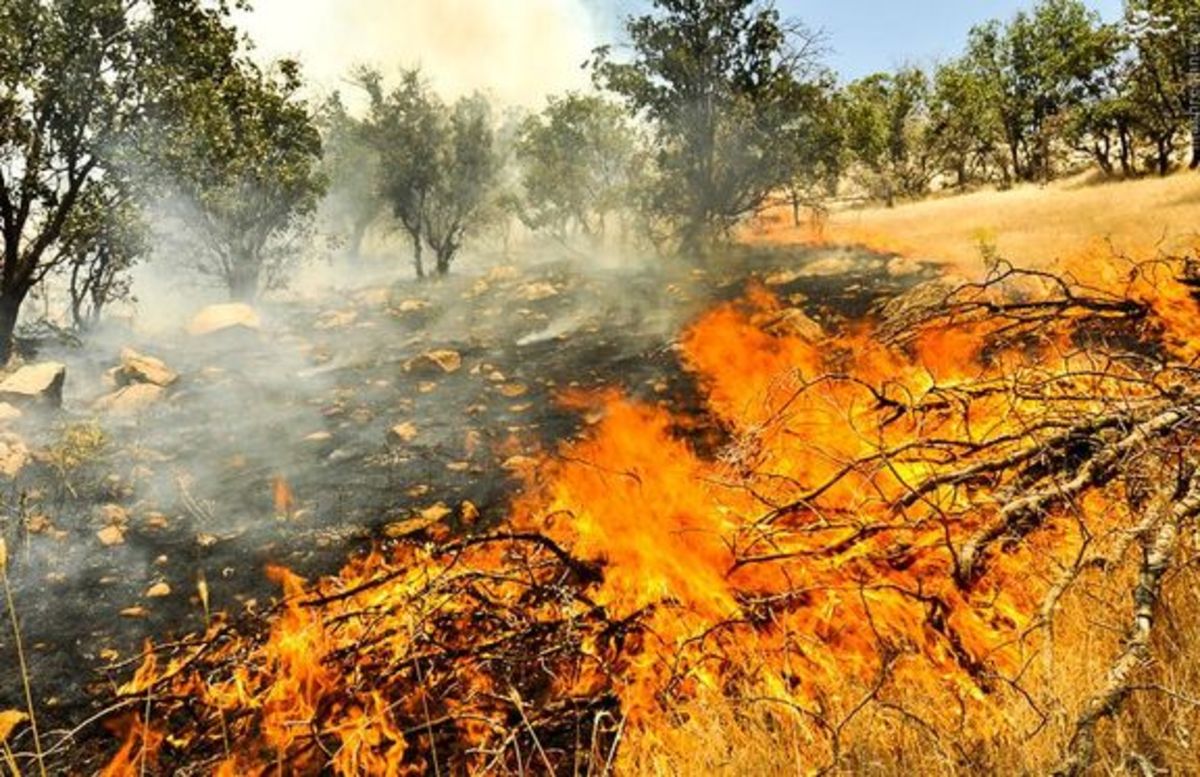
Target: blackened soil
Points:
(308, 401)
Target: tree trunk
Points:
(243, 281)
(418, 263)
(10, 309)
(1164, 155)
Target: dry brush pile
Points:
(959, 538)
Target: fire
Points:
(285, 500)
(843, 547)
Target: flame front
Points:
(862, 536)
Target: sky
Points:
(520, 51)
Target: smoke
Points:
(517, 52)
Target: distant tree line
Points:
(1040, 95)
(117, 115)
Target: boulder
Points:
(438, 361)
(131, 399)
(35, 383)
(223, 317)
(139, 368)
(14, 454)
(8, 413)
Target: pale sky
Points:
(519, 51)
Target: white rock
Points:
(131, 399)
(218, 318)
(35, 383)
(139, 368)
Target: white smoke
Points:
(517, 51)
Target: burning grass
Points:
(917, 552)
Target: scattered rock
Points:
(158, 591)
(35, 383)
(222, 317)
(135, 612)
(411, 306)
(131, 399)
(139, 368)
(318, 437)
(374, 298)
(14, 454)
(336, 319)
(538, 290)
(444, 359)
(402, 432)
(794, 322)
(111, 535)
(513, 390)
(113, 514)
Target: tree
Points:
(467, 167)
(576, 162)
(965, 134)
(71, 85)
(721, 82)
(1164, 34)
(885, 124)
(243, 153)
(351, 166)
(438, 166)
(102, 239)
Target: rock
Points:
(139, 368)
(336, 319)
(14, 454)
(537, 290)
(411, 306)
(374, 298)
(130, 400)
(9, 413)
(222, 317)
(35, 383)
(111, 535)
(158, 591)
(444, 359)
(402, 433)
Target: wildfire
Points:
(887, 523)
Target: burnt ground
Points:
(308, 400)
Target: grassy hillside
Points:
(1029, 225)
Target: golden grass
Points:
(1025, 730)
(1031, 226)
(1155, 732)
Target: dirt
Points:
(303, 441)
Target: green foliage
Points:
(438, 166)
(885, 120)
(722, 83)
(242, 152)
(576, 160)
(351, 166)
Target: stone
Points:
(9, 412)
(402, 432)
(139, 368)
(222, 317)
(14, 454)
(431, 361)
(35, 384)
(130, 400)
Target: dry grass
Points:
(1023, 728)
(1032, 226)
(1155, 733)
